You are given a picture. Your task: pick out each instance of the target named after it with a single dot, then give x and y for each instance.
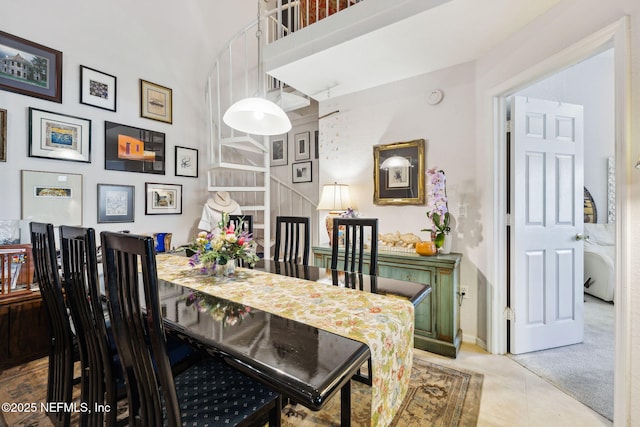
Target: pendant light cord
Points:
(259, 36)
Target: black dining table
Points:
(306, 364)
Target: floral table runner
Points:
(384, 323)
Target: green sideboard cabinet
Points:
(437, 327)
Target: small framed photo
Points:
(186, 162)
(301, 172)
(3, 135)
(279, 151)
(163, 199)
(132, 149)
(116, 203)
(302, 146)
(156, 102)
(54, 197)
(59, 136)
(29, 68)
(97, 89)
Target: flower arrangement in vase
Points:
(438, 211)
(213, 251)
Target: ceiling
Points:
(445, 34)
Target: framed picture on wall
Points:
(398, 173)
(301, 172)
(59, 136)
(132, 149)
(156, 102)
(30, 68)
(52, 197)
(163, 199)
(97, 89)
(279, 151)
(302, 146)
(116, 203)
(186, 162)
(3, 135)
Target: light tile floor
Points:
(514, 396)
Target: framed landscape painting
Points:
(30, 68)
(59, 136)
(131, 149)
(163, 199)
(3, 135)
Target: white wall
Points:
(171, 45)
(399, 112)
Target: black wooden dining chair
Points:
(63, 348)
(102, 380)
(292, 239)
(353, 235)
(209, 390)
(244, 221)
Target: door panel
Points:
(547, 186)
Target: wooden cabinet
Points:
(437, 327)
(24, 329)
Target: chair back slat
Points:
(244, 221)
(295, 233)
(354, 236)
(139, 337)
(61, 350)
(82, 285)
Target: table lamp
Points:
(336, 199)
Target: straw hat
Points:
(221, 201)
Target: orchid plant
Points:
(437, 209)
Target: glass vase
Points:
(226, 270)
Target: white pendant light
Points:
(257, 115)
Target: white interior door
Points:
(547, 223)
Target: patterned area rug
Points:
(438, 396)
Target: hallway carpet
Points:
(583, 371)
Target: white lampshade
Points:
(335, 197)
(257, 116)
(395, 162)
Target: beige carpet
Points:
(438, 396)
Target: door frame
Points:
(615, 35)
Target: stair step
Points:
(245, 142)
(236, 166)
(252, 208)
(289, 101)
(232, 189)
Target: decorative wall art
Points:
(156, 102)
(279, 151)
(97, 88)
(131, 149)
(59, 136)
(302, 146)
(186, 162)
(301, 172)
(3, 135)
(398, 173)
(29, 68)
(163, 199)
(116, 203)
(317, 144)
(52, 197)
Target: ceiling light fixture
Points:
(257, 115)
